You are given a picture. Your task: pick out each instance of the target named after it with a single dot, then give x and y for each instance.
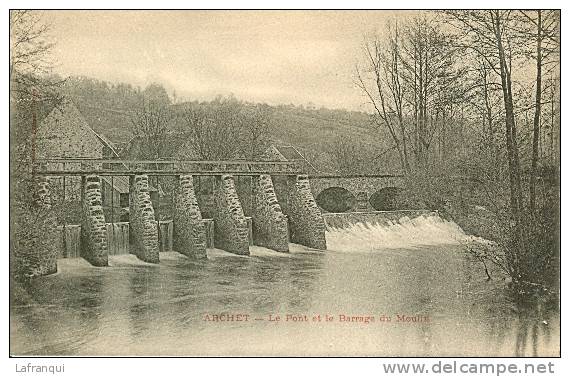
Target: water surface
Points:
(135, 308)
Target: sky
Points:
(275, 57)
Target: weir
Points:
(69, 241)
(381, 230)
(269, 219)
(166, 236)
(118, 238)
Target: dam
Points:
(243, 205)
(229, 205)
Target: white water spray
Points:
(403, 233)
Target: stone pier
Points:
(230, 225)
(189, 229)
(306, 223)
(93, 226)
(33, 257)
(143, 226)
(269, 222)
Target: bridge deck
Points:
(66, 166)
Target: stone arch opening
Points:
(336, 199)
(386, 199)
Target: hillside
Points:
(315, 132)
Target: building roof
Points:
(289, 152)
(106, 142)
(282, 153)
(66, 117)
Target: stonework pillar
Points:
(362, 202)
(230, 225)
(35, 261)
(189, 230)
(306, 223)
(143, 226)
(269, 222)
(93, 227)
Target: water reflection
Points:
(533, 330)
(145, 311)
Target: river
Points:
(403, 290)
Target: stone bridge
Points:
(336, 193)
(239, 197)
(265, 203)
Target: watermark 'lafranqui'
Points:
(32, 368)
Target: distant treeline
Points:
(323, 136)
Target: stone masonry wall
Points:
(361, 187)
(143, 226)
(93, 226)
(231, 230)
(306, 223)
(189, 230)
(47, 258)
(355, 184)
(269, 222)
(30, 259)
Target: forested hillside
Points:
(332, 140)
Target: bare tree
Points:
(150, 127)
(385, 93)
(31, 89)
(213, 130)
(32, 231)
(503, 41)
(489, 34)
(257, 124)
(542, 27)
(30, 51)
(412, 79)
(433, 77)
(347, 155)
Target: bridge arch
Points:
(386, 199)
(361, 187)
(336, 199)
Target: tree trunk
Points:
(536, 125)
(510, 130)
(552, 116)
(489, 117)
(512, 152)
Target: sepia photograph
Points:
(284, 183)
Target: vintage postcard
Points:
(285, 183)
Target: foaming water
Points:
(424, 230)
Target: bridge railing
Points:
(81, 166)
